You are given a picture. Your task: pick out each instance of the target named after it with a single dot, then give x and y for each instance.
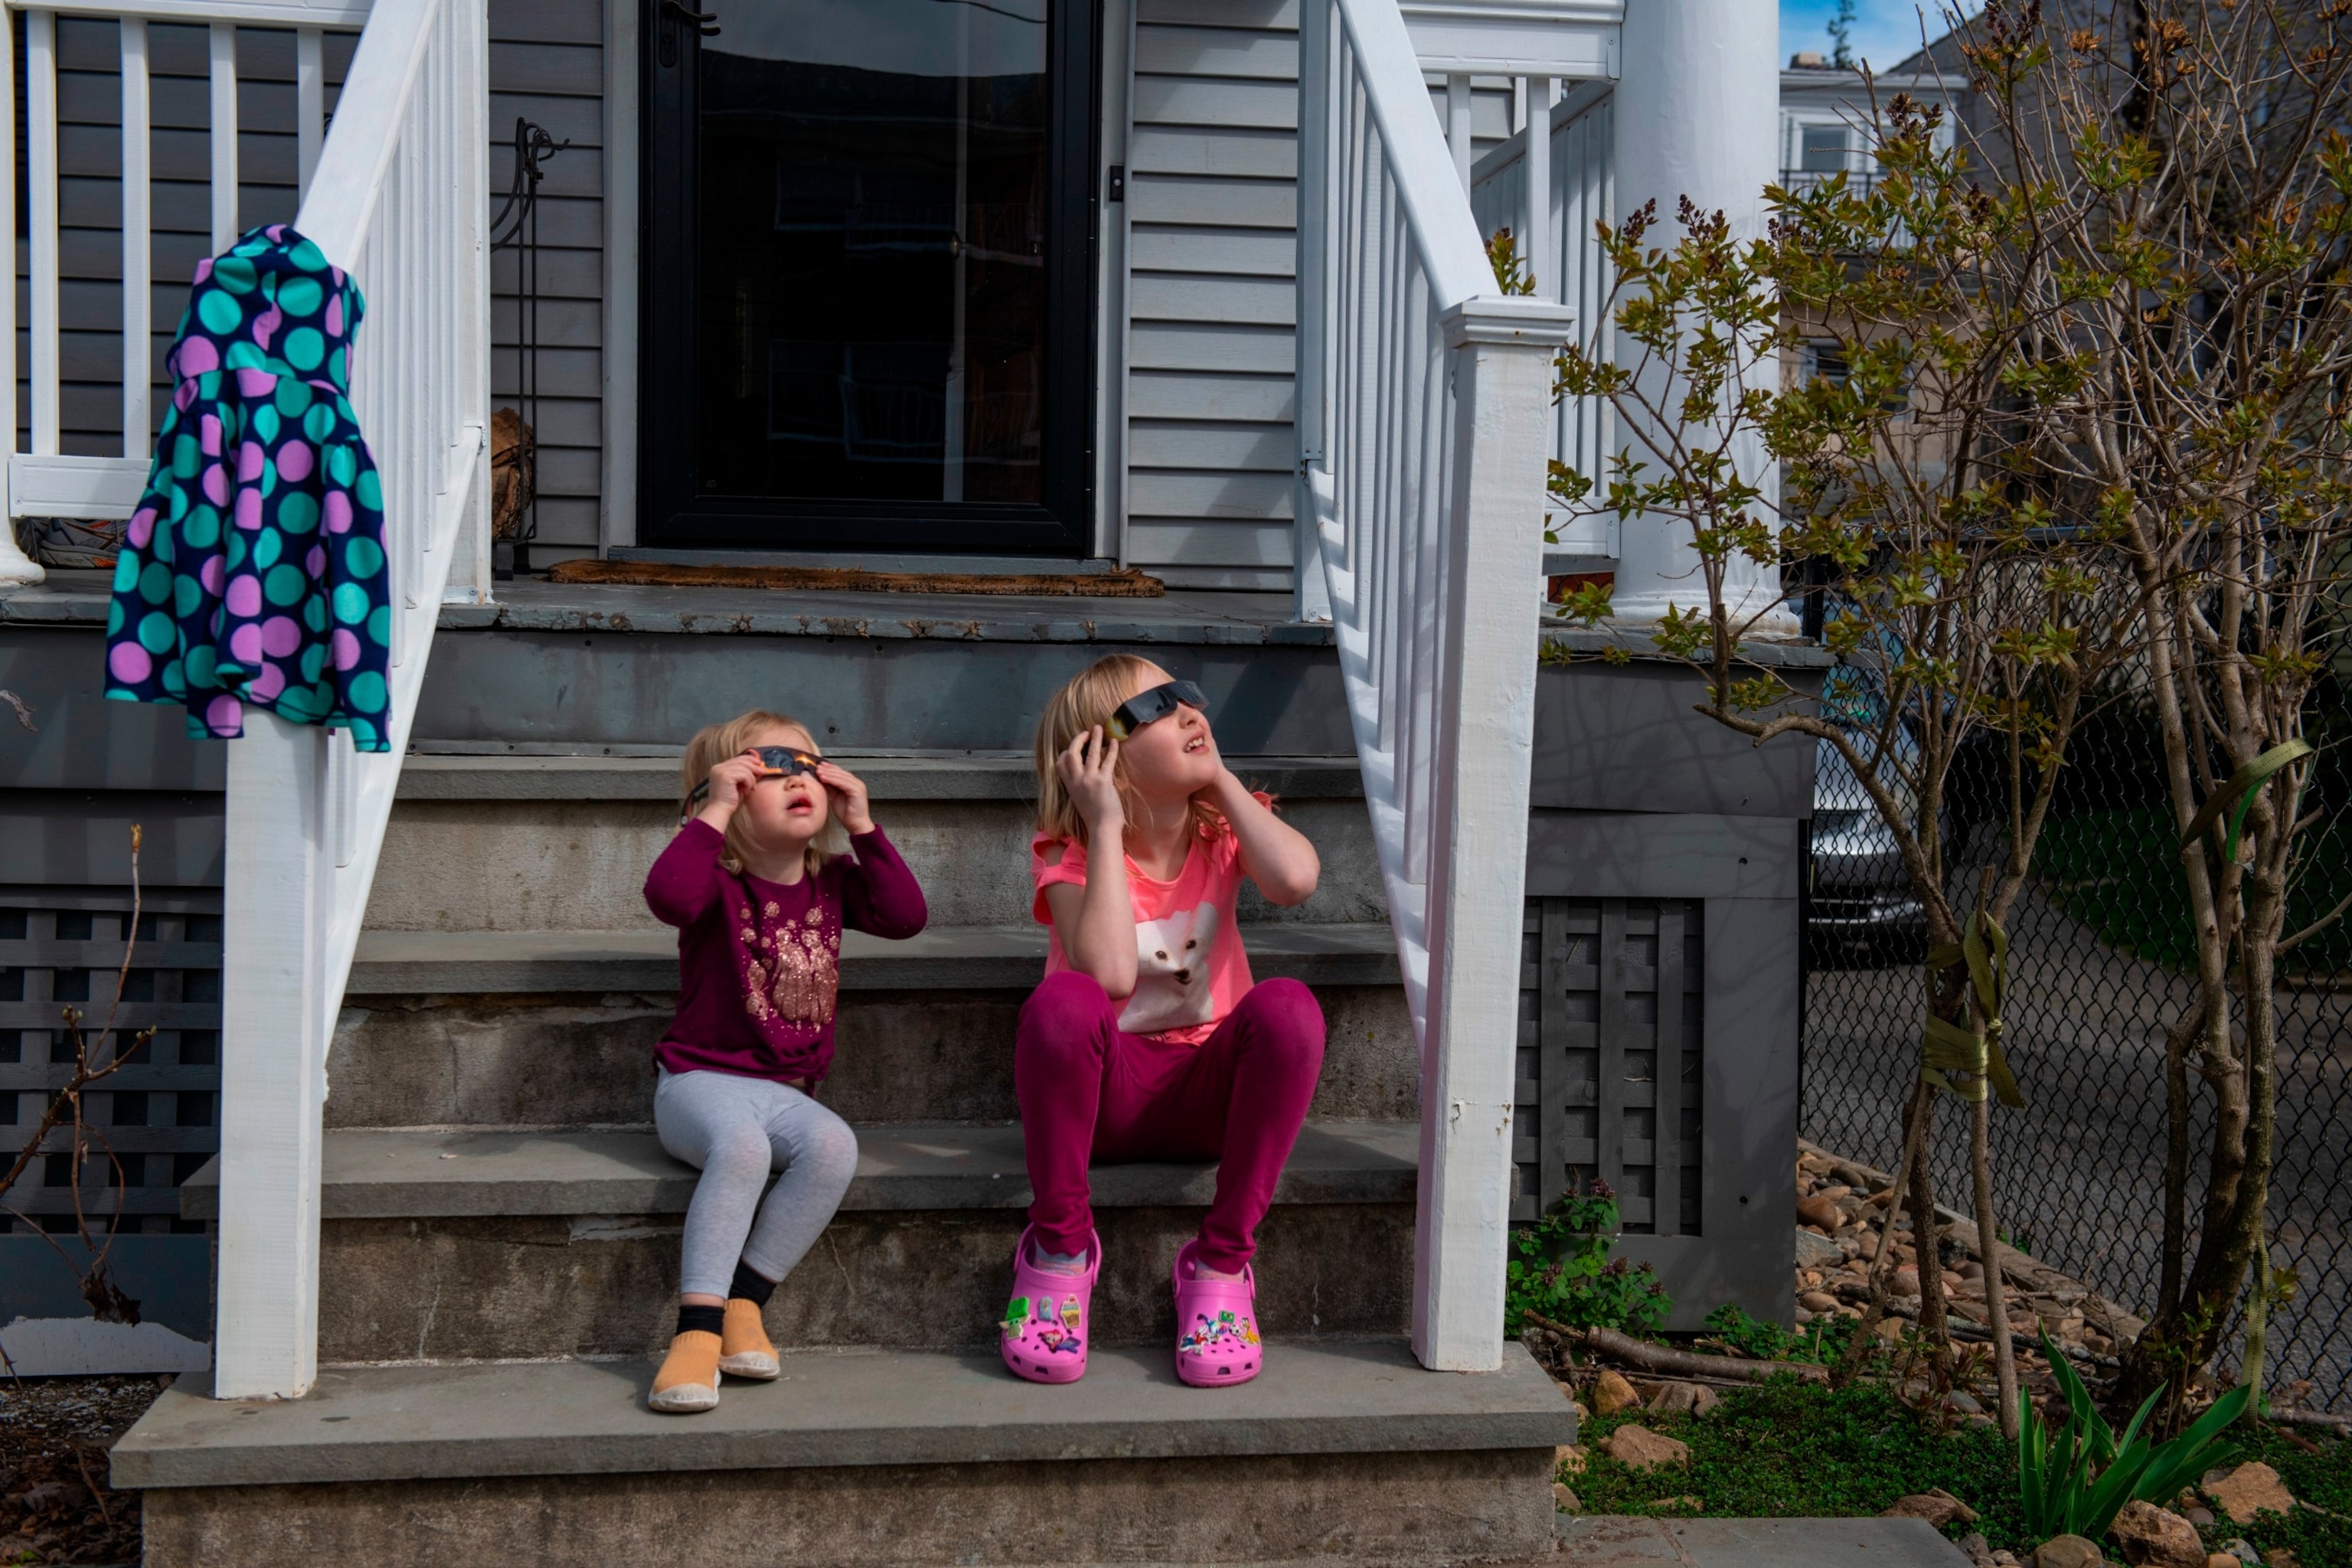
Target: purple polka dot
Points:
(347, 648)
(130, 664)
(256, 382)
(224, 715)
(265, 325)
(266, 686)
(280, 635)
(315, 563)
(204, 270)
(141, 530)
(249, 459)
(209, 432)
(196, 356)
(245, 595)
(211, 573)
(183, 396)
(339, 512)
(248, 511)
(335, 309)
(215, 483)
(295, 461)
(245, 643)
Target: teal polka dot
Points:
(299, 703)
(314, 658)
(161, 546)
(300, 297)
(236, 273)
(114, 620)
(266, 547)
(305, 348)
(308, 257)
(201, 662)
(319, 423)
(245, 354)
(202, 530)
(335, 363)
(219, 312)
(284, 584)
(264, 423)
(179, 502)
(379, 626)
(342, 463)
(186, 457)
(175, 681)
(126, 572)
(186, 594)
(366, 691)
(351, 604)
(362, 558)
(314, 613)
(293, 396)
(368, 490)
(155, 582)
(362, 734)
(236, 549)
(156, 632)
(298, 512)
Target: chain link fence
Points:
(2102, 961)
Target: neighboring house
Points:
(1187, 287)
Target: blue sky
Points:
(1885, 32)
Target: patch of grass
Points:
(1786, 1449)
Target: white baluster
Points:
(310, 106)
(41, 170)
(15, 567)
(224, 135)
(137, 295)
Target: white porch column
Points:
(1698, 115)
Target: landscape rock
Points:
(2152, 1537)
(2242, 1549)
(1675, 1398)
(2068, 1552)
(2247, 1490)
(1611, 1393)
(2198, 1515)
(1819, 1210)
(2222, 1560)
(1817, 1251)
(1639, 1448)
(1568, 1460)
(1817, 1301)
(1936, 1505)
(1906, 1280)
(1704, 1399)
(1977, 1550)
(1565, 1501)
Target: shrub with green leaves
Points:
(1563, 1272)
(1819, 1342)
(2075, 1483)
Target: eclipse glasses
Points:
(775, 762)
(1150, 707)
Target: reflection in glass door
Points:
(866, 310)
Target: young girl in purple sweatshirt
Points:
(776, 855)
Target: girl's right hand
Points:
(730, 781)
(1089, 769)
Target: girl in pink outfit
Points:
(1148, 1040)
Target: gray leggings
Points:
(738, 1129)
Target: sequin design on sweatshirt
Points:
(791, 969)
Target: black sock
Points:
(751, 1285)
(708, 1320)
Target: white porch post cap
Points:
(1511, 320)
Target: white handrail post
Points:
(1500, 352)
(223, 135)
(138, 252)
(1318, 216)
(273, 1061)
(17, 568)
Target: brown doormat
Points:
(1127, 583)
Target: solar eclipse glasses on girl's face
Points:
(1150, 707)
(775, 762)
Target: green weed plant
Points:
(1820, 1342)
(2076, 1482)
(1563, 1272)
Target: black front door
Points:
(868, 289)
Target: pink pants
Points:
(1090, 1092)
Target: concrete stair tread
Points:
(404, 1174)
(832, 1409)
(615, 774)
(992, 956)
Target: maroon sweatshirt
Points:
(758, 962)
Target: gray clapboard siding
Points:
(1212, 244)
(547, 64)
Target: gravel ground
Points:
(54, 1505)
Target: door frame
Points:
(670, 516)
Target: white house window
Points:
(1821, 148)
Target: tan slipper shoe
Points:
(744, 1349)
(689, 1378)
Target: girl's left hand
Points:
(848, 792)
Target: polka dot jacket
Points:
(253, 571)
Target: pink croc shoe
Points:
(1217, 1345)
(1051, 1317)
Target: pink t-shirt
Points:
(1190, 968)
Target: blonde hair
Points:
(1089, 698)
(714, 743)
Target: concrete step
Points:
(557, 842)
(474, 1245)
(1336, 1453)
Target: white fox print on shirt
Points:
(1172, 972)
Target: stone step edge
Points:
(370, 1174)
(832, 1409)
(402, 962)
(430, 774)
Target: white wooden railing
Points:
(1423, 399)
(394, 192)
